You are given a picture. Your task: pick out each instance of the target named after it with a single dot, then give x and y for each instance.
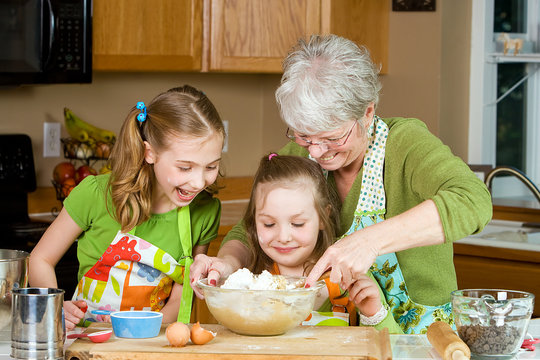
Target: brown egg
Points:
(177, 333)
(200, 336)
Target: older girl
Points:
(138, 227)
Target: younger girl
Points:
(291, 219)
(138, 227)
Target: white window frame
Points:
(483, 97)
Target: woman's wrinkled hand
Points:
(73, 313)
(349, 259)
(212, 268)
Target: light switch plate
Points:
(51, 139)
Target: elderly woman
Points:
(405, 196)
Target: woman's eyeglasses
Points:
(329, 143)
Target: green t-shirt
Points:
(86, 206)
(418, 167)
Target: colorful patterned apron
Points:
(412, 317)
(133, 274)
(343, 310)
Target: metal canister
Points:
(37, 327)
(13, 274)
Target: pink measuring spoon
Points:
(97, 337)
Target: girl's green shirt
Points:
(86, 205)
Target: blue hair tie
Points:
(142, 116)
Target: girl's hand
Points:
(350, 258)
(212, 268)
(73, 312)
(365, 294)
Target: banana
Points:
(72, 129)
(83, 131)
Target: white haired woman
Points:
(405, 196)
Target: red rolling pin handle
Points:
(447, 342)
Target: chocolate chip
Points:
(490, 340)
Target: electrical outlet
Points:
(51, 139)
(226, 144)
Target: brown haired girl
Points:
(291, 219)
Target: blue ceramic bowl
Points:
(136, 324)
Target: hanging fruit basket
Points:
(88, 150)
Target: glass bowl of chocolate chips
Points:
(492, 322)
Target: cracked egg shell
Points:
(200, 336)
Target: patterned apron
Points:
(133, 274)
(412, 317)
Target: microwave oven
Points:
(45, 41)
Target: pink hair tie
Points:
(271, 156)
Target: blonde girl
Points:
(138, 227)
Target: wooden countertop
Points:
(517, 203)
(234, 194)
(516, 210)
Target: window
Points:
(505, 91)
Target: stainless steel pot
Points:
(13, 274)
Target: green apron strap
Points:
(184, 229)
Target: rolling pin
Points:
(446, 342)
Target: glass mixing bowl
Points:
(261, 312)
(492, 322)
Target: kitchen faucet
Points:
(517, 173)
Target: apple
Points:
(83, 171)
(63, 171)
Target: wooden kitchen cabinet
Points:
(255, 35)
(483, 267)
(147, 35)
(226, 35)
(365, 22)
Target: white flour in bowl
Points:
(244, 279)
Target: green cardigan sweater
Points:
(418, 166)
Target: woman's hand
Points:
(349, 260)
(73, 313)
(353, 255)
(365, 294)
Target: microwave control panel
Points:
(70, 37)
